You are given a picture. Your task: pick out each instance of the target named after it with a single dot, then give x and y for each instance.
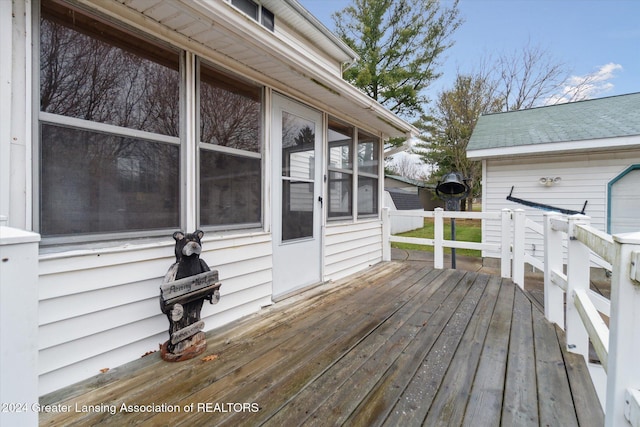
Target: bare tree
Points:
(408, 167)
(528, 77)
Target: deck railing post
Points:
(19, 326)
(577, 278)
(624, 326)
(553, 294)
(438, 238)
(505, 243)
(386, 235)
(519, 221)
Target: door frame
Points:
(281, 250)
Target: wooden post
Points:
(553, 294)
(577, 278)
(438, 238)
(386, 234)
(505, 243)
(624, 324)
(519, 221)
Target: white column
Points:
(624, 328)
(18, 326)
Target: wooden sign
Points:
(173, 292)
(185, 333)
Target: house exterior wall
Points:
(100, 308)
(584, 177)
(351, 247)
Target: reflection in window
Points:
(230, 189)
(124, 81)
(230, 111)
(298, 176)
(230, 182)
(93, 182)
(96, 181)
(340, 169)
(368, 166)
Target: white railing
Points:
(506, 217)
(617, 346)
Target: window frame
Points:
(355, 173)
(188, 142)
(351, 172)
(42, 117)
(259, 155)
(360, 173)
(260, 18)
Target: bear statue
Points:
(183, 307)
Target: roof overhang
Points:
(217, 31)
(590, 145)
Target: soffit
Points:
(215, 29)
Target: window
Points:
(344, 151)
(340, 180)
(230, 150)
(256, 11)
(109, 128)
(368, 155)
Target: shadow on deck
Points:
(400, 344)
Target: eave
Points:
(220, 33)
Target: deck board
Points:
(399, 344)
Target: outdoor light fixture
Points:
(548, 181)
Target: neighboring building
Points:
(563, 156)
(426, 192)
(125, 121)
(407, 194)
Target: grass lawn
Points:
(468, 230)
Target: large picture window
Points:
(230, 150)
(109, 128)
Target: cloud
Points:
(577, 88)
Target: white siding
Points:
(100, 309)
(584, 177)
(351, 247)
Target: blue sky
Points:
(600, 38)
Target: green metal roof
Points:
(609, 117)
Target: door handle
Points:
(320, 200)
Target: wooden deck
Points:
(398, 345)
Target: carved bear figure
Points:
(188, 248)
(188, 263)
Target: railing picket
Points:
(577, 279)
(553, 294)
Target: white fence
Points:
(618, 345)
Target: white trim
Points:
(229, 150)
(557, 147)
(189, 130)
(88, 125)
(6, 46)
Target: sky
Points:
(596, 38)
